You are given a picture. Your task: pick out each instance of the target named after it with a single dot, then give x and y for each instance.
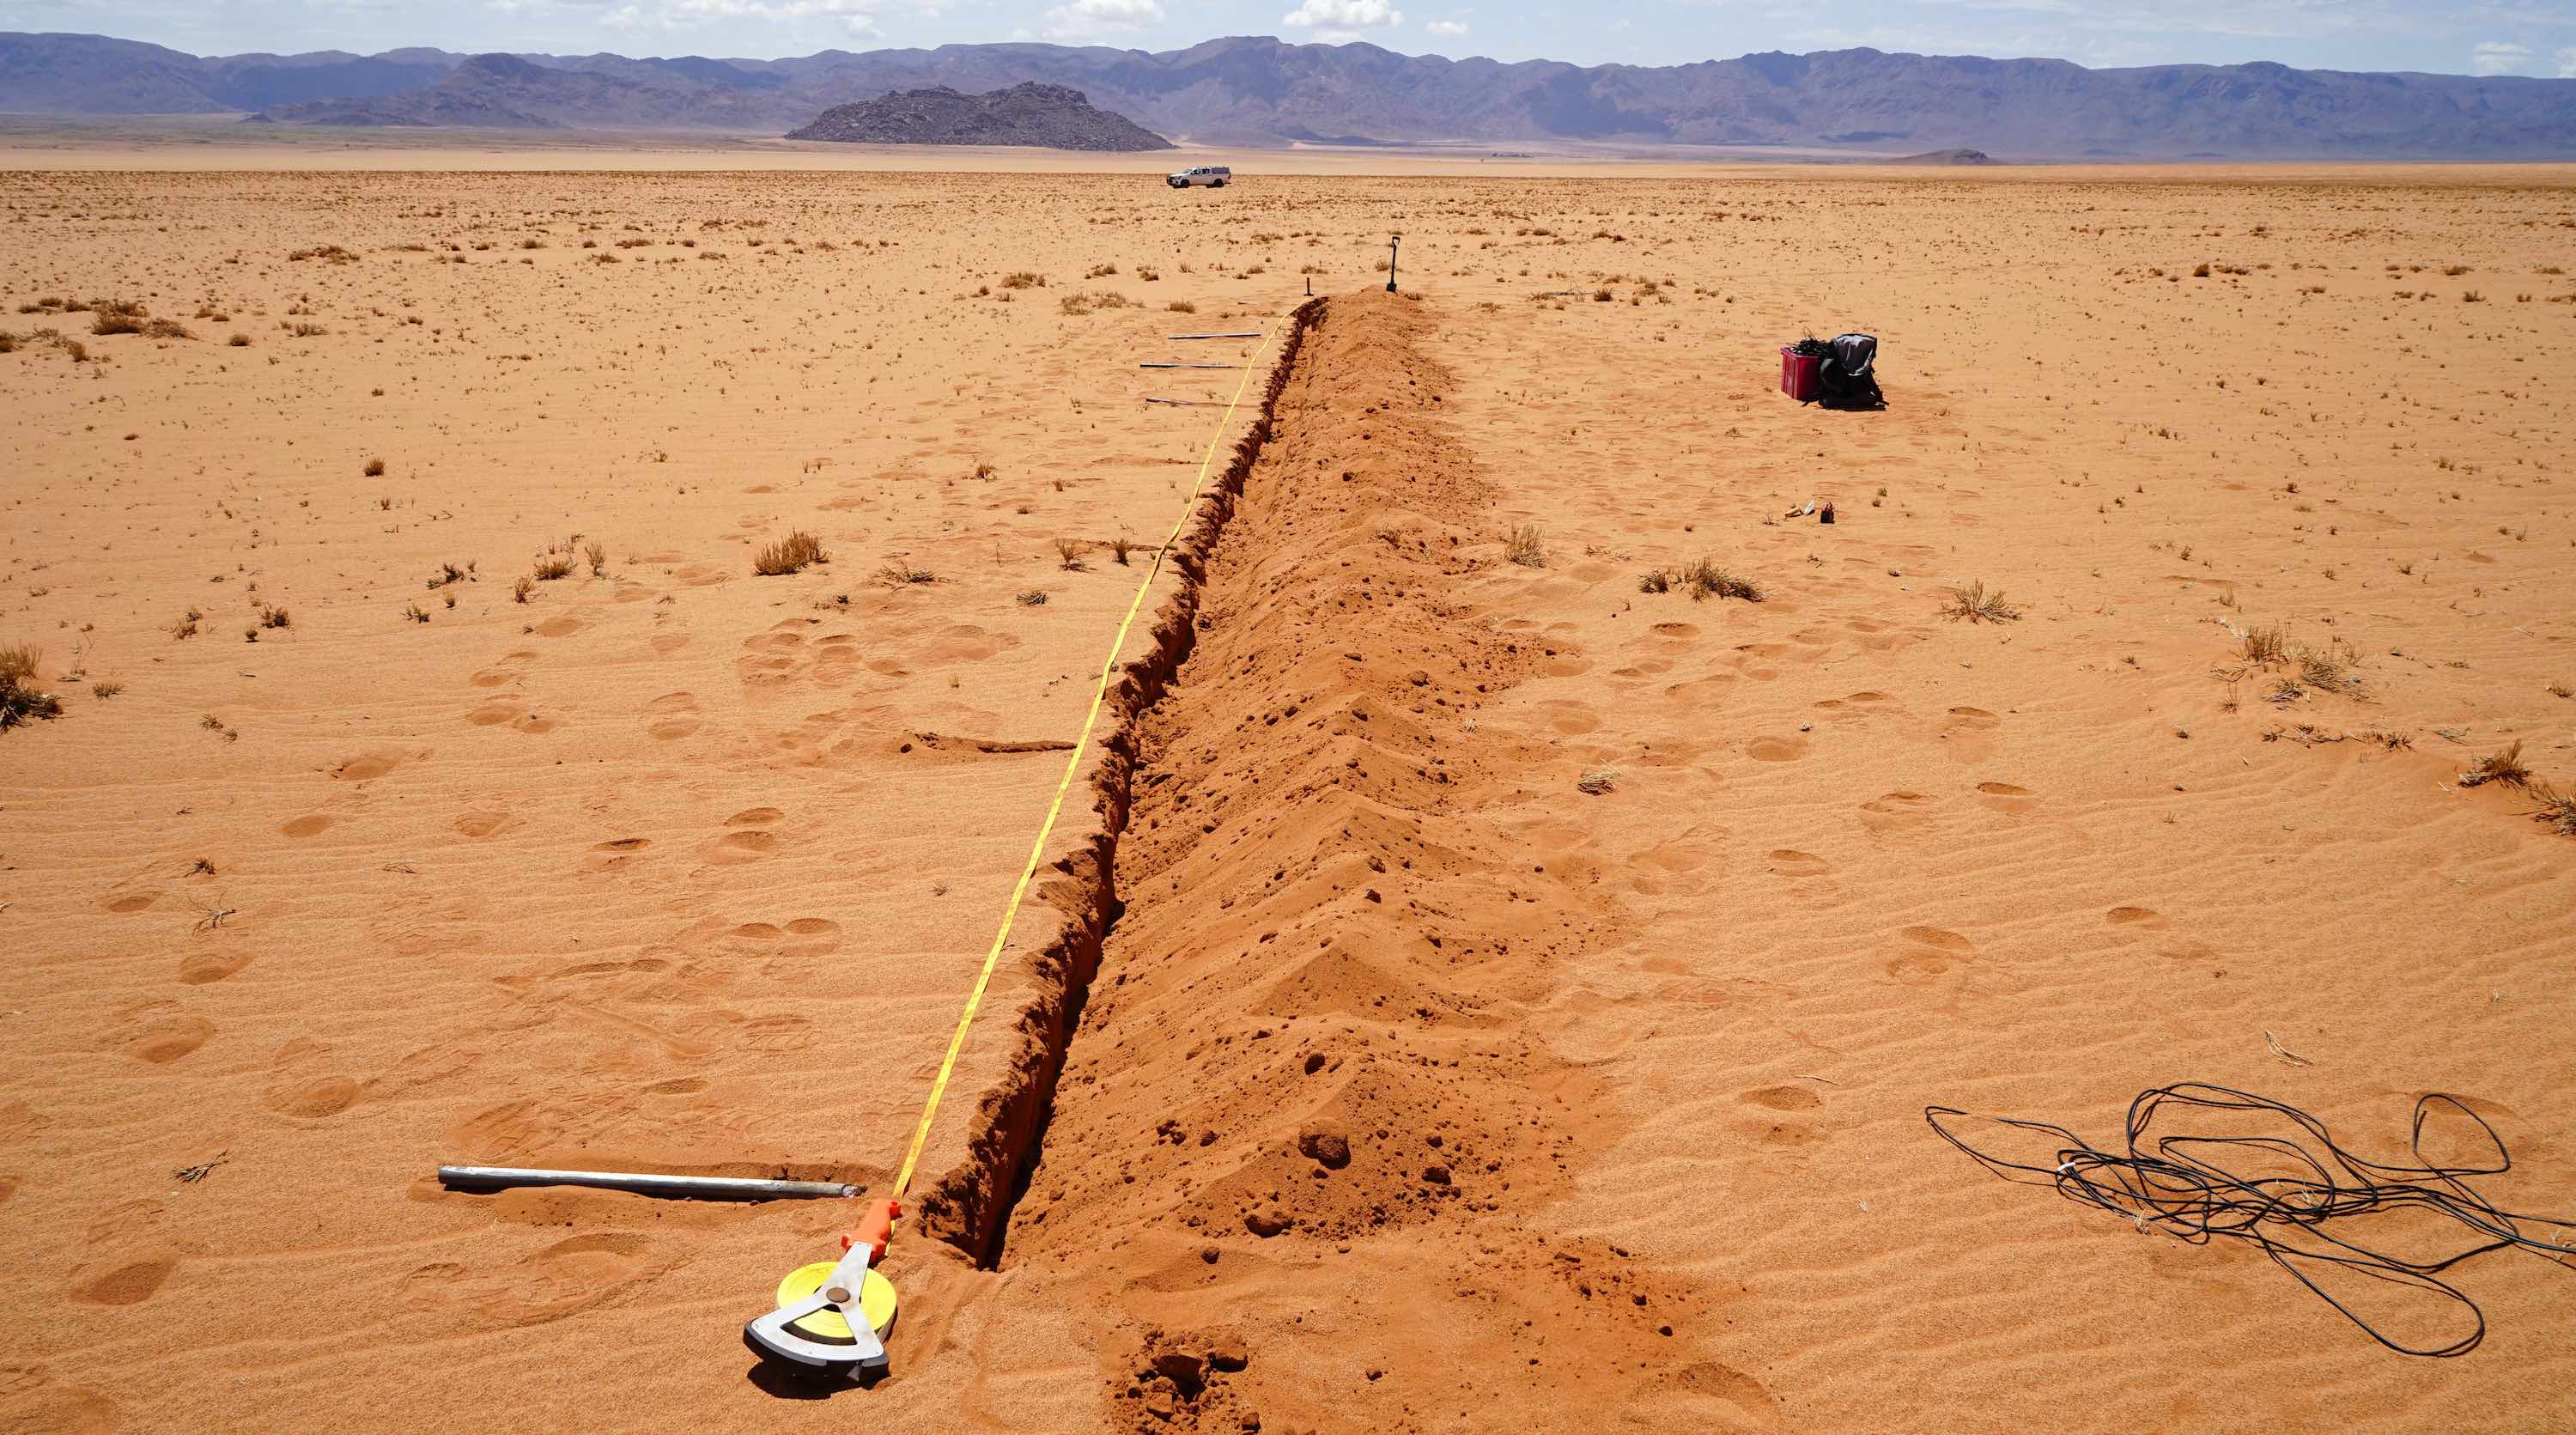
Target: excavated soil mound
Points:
(1305, 1082)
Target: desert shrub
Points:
(1707, 580)
(20, 700)
(791, 554)
(375, 468)
(1977, 605)
(116, 316)
(1024, 280)
(1522, 546)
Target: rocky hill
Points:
(1261, 91)
(1046, 116)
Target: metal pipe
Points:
(704, 1188)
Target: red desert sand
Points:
(563, 667)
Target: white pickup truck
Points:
(1213, 176)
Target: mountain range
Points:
(1259, 91)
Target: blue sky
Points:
(2535, 37)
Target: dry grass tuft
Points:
(1599, 781)
(1655, 580)
(1707, 580)
(898, 574)
(595, 553)
(20, 701)
(1977, 605)
(1522, 546)
(1068, 552)
(794, 553)
(2557, 810)
(2505, 767)
(375, 468)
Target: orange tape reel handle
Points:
(876, 1227)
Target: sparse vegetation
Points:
(107, 688)
(520, 590)
(1977, 605)
(20, 700)
(1120, 547)
(595, 553)
(1706, 580)
(1655, 580)
(1089, 300)
(1068, 552)
(116, 316)
(1522, 546)
(794, 553)
(1182, 306)
(1033, 598)
(375, 468)
(2506, 767)
(1023, 279)
(1598, 781)
(186, 627)
(899, 574)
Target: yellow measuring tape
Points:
(1064, 784)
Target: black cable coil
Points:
(2303, 1212)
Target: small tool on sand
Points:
(832, 1316)
(704, 1188)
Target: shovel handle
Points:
(875, 1228)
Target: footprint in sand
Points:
(563, 626)
(1783, 1098)
(1789, 862)
(669, 643)
(296, 1087)
(1682, 631)
(674, 715)
(2004, 797)
(310, 825)
(777, 1034)
(1933, 952)
(483, 824)
(565, 1278)
(127, 1282)
(492, 678)
(159, 1033)
(368, 766)
(124, 903)
(1776, 749)
(1895, 811)
(736, 847)
(2145, 919)
(197, 969)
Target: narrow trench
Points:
(972, 1206)
(1311, 1014)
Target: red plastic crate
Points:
(1798, 374)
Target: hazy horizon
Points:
(2479, 40)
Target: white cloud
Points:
(857, 17)
(2567, 63)
(1446, 28)
(1084, 20)
(1338, 22)
(2495, 57)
